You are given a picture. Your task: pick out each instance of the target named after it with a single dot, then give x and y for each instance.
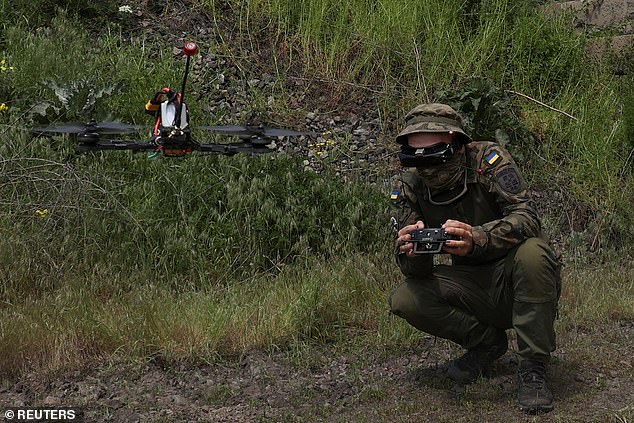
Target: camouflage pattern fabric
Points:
(501, 212)
(433, 117)
(510, 279)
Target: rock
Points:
(179, 400)
(361, 132)
(51, 401)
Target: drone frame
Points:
(171, 134)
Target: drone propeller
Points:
(276, 132)
(253, 131)
(173, 150)
(91, 127)
(233, 148)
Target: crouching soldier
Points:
(503, 274)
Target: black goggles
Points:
(433, 155)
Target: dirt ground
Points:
(591, 383)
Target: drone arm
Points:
(231, 148)
(225, 149)
(115, 145)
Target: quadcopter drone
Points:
(171, 134)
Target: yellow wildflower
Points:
(4, 66)
(41, 213)
(3, 107)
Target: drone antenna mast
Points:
(189, 49)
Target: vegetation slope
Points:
(117, 257)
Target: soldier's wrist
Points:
(480, 240)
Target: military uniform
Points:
(503, 274)
(511, 277)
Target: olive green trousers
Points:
(471, 304)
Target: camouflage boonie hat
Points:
(433, 117)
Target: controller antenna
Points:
(190, 49)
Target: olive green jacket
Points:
(496, 204)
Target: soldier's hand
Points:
(465, 245)
(403, 242)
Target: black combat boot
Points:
(533, 394)
(475, 362)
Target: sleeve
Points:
(520, 220)
(405, 210)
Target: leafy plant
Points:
(75, 100)
(489, 115)
(224, 218)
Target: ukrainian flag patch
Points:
(394, 195)
(492, 158)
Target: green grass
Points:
(204, 219)
(61, 74)
(412, 51)
(79, 322)
(594, 294)
(419, 46)
(115, 256)
(306, 303)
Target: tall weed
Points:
(310, 301)
(212, 218)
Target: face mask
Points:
(445, 176)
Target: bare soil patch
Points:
(592, 382)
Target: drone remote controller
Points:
(430, 240)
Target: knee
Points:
(402, 302)
(535, 272)
(411, 299)
(533, 255)
(418, 304)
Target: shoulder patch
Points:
(394, 195)
(492, 157)
(509, 180)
